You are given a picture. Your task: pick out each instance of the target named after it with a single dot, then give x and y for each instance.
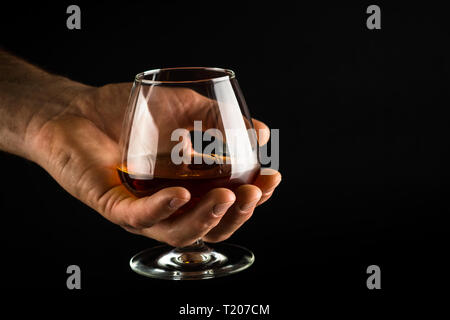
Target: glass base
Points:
(195, 262)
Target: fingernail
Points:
(176, 203)
(221, 208)
(247, 206)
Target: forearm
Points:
(29, 97)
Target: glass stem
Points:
(197, 252)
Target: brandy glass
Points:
(188, 127)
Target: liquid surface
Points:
(197, 178)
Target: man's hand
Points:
(75, 138)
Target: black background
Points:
(364, 139)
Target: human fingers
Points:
(247, 196)
(267, 181)
(184, 229)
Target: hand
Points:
(79, 148)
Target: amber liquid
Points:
(197, 178)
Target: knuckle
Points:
(133, 222)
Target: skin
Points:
(71, 130)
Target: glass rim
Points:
(229, 74)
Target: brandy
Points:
(197, 178)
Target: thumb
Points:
(139, 213)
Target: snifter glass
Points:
(188, 127)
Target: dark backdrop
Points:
(363, 133)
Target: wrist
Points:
(29, 98)
(63, 98)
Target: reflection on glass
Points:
(188, 127)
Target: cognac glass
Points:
(188, 127)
